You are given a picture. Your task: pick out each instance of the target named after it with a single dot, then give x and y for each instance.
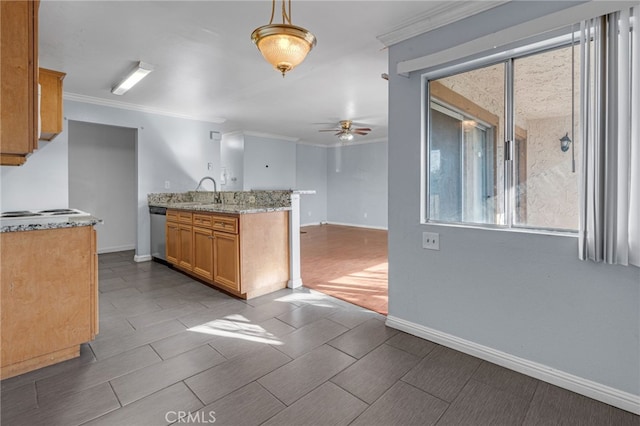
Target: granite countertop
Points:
(232, 202)
(219, 207)
(38, 223)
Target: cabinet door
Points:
(226, 260)
(172, 240)
(185, 260)
(50, 103)
(203, 253)
(19, 92)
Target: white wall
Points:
(269, 163)
(525, 295)
(311, 173)
(357, 185)
(169, 149)
(102, 180)
(232, 160)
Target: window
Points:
(494, 152)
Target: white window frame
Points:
(507, 57)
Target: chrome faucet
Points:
(215, 186)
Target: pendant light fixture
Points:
(283, 45)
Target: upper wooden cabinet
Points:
(50, 103)
(19, 89)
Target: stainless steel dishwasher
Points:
(158, 219)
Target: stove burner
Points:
(58, 211)
(26, 214)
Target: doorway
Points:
(103, 181)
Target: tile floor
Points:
(171, 347)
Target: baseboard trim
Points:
(116, 249)
(302, 225)
(143, 258)
(591, 389)
(295, 283)
(383, 228)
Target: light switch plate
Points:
(431, 240)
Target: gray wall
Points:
(269, 163)
(357, 185)
(311, 173)
(232, 160)
(102, 180)
(169, 149)
(524, 294)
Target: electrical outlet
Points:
(431, 240)
(167, 184)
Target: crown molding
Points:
(261, 135)
(439, 16)
(140, 108)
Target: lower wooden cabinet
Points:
(246, 255)
(49, 303)
(226, 267)
(172, 241)
(185, 260)
(203, 249)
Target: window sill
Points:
(486, 227)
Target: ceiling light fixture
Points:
(284, 46)
(346, 136)
(138, 73)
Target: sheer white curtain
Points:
(610, 115)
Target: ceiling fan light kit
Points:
(284, 45)
(346, 133)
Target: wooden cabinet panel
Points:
(50, 103)
(185, 217)
(19, 89)
(185, 259)
(225, 224)
(226, 267)
(172, 240)
(203, 249)
(49, 299)
(203, 220)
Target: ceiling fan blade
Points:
(361, 133)
(362, 129)
(328, 130)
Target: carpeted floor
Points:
(346, 262)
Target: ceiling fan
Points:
(345, 132)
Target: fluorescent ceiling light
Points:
(137, 74)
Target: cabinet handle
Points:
(211, 237)
(220, 224)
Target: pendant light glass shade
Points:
(284, 46)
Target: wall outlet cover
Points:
(431, 240)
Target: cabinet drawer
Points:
(185, 217)
(172, 216)
(204, 220)
(225, 224)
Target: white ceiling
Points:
(206, 66)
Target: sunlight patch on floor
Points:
(237, 327)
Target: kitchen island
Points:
(49, 290)
(235, 241)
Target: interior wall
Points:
(40, 183)
(169, 149)
(232, 162)
(357, 180)
(523, 294)
(102, 180)
(311, 174)
(269, 163)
